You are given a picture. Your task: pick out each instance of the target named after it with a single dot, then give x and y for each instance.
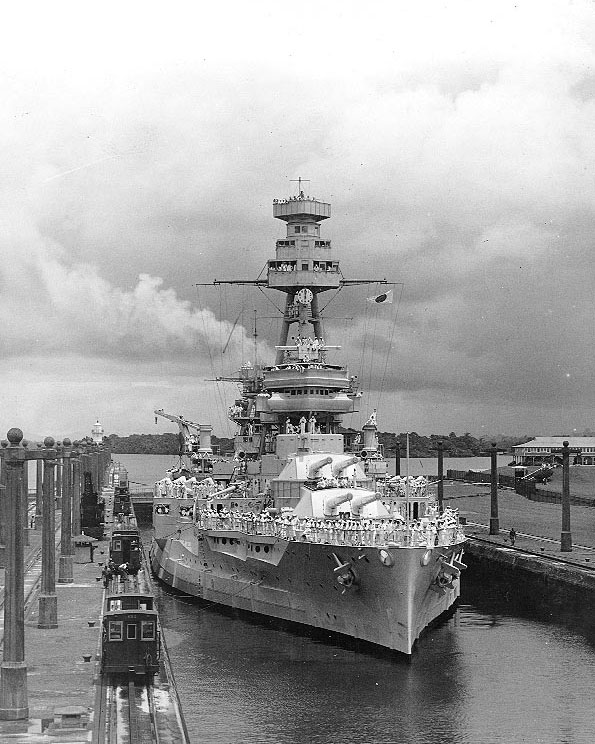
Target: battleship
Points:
(305, 524)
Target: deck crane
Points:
(196, 447)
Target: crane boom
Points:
(179, 420)
(189, 443)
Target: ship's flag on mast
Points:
(384, 298)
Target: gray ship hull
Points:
(394, 596)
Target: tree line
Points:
(454, 445)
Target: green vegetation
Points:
(156, 444)
(454, 445)
(419, 446)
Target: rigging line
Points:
(362, 365)
(206, 335)
(224, 366)
(269, 299)
(375, 325)
(223, 405)
(219, 402)
(331, 300)
(390, 343)
(231, 332)
(220, 329)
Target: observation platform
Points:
(301, 207)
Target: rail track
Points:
(125, 712)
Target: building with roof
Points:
(546, 450)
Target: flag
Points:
(386, 297)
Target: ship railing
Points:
(181, 491)
(376, 534)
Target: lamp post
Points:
(25, 498)
(75, 459)
(2, 514)
(39, 492)
(48, 601)
(65, 570)
(59, 473)
(566, 535)
(13, 671)
(494, 520)
(440, 475)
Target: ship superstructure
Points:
(309, 527)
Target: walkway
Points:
(61, 662)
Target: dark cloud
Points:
(455, 145)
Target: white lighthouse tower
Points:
(97, 432)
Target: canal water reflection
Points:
(485, 675)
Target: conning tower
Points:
(304, 264)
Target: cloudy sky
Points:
(143, 144)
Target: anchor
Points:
(449, 571)
(344, 574)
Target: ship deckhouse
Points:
(301, 393)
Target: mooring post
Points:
(48, 601)
(440, 475)
(39, 492)
(13, 671)
(65, 569)
(494, 521)
(566, 536)
(75, 459)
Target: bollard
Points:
(565, 536)
(13, 671)
(494, 521)
(65, 570)
(440, 475)
(48, 601)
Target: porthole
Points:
(266, 548)
(385, 558)
(258, 548)
(224, 540)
